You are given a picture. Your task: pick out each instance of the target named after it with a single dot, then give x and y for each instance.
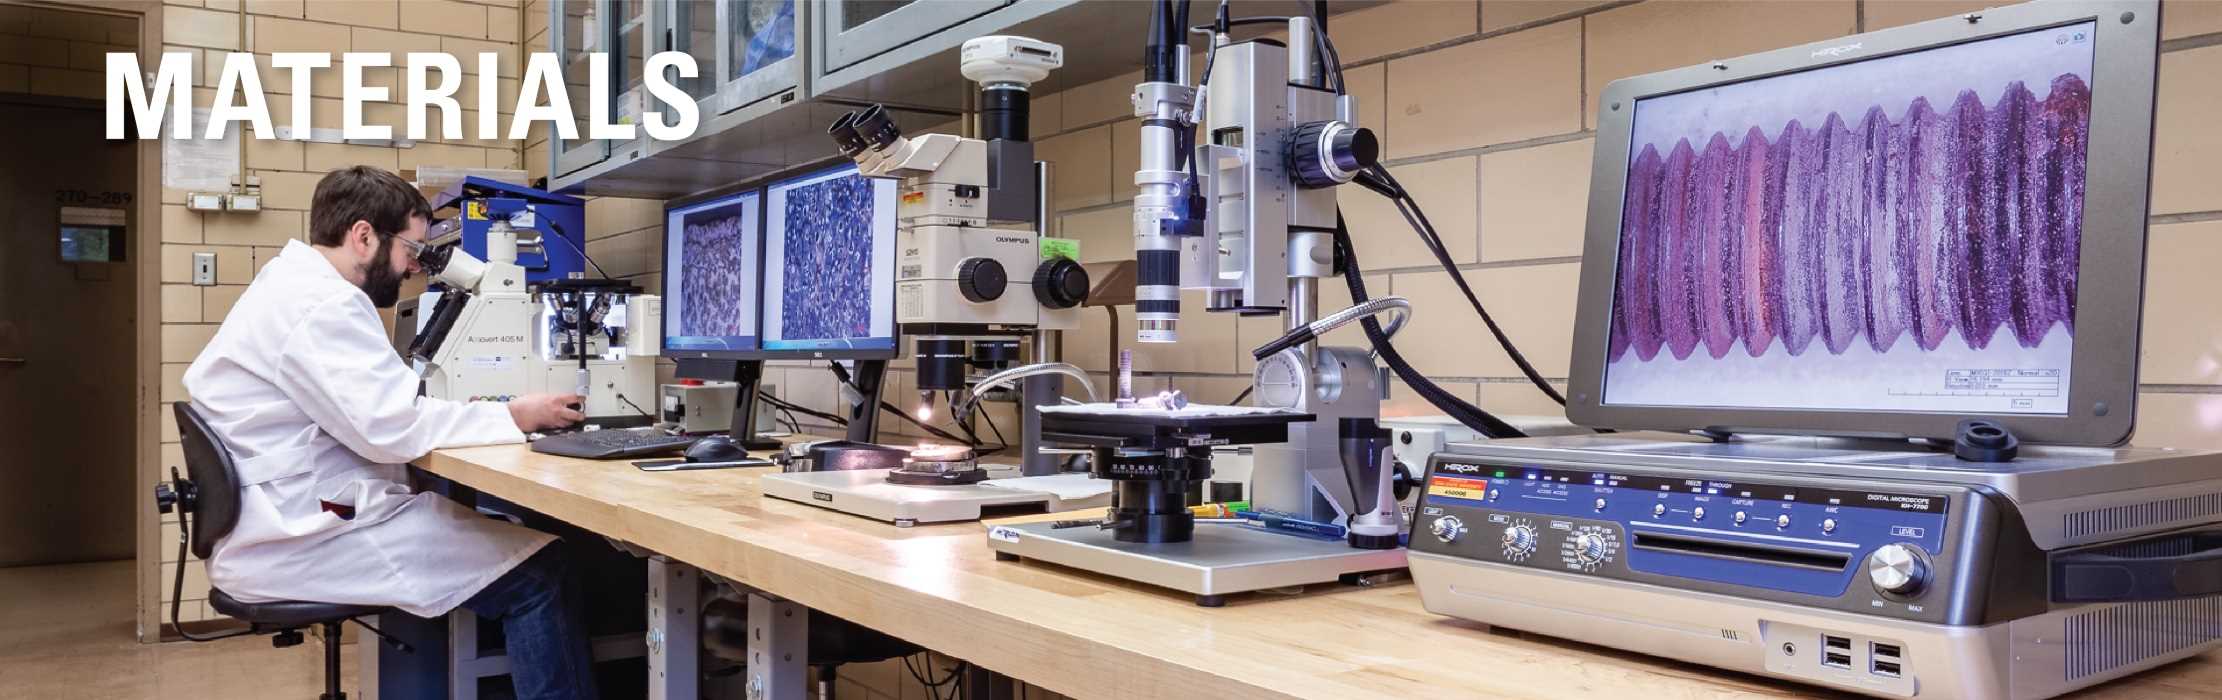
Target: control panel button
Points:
(1828, 525)
(1599, 505)
(1447, 528)
(1898, 569)
(1658, 510)
(1741, 517)
(1698, 514)
(1782, 521)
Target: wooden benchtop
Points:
(1091, 636)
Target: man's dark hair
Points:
(363, 193)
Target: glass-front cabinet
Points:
(759, 51)
(581, 31)
(855, 30)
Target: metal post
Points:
(1039, 390)
(463, 660)
(674, 630)
(778, 648)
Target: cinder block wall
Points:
(208, 29)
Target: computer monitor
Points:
(712, 277)
(829, 266)
(1878, 235)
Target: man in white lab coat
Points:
(320, 414)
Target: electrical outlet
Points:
(204, 269)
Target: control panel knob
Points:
(1782, 521)
(1329, 153)
(1060, 284)
(1446, 528)
(1741, 517)
(1589, 547)
(1658, 510)
(1518, 540)
(1898, 569)
(1698, 513)
(1828, 525)
(981, 280)
(1599, 505)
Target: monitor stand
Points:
(864, 415)
(749, 374)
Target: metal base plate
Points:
(1222, 558)
(866, 492)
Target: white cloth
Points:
(305, 389)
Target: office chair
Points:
(210, 491)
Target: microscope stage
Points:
(1222, 558)
(866, 492)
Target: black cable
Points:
(1418, 219)
(1458, 409)
(1239, 397)
(580, 247)
(797, 408)
(177, 584)
(636, 407)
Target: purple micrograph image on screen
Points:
(1847, 224)
(827, 271)
(714, 287)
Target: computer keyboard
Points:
(612, 444)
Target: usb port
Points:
(1885, 668)
(1836, 659)
(1883, 650)
(1835, 643)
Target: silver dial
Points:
(1898, 569)
(1518, 541)
(1447, 528)
(1589, 548)
(1280, 381)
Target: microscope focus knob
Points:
(1898, 569)
(981, 280)
(1061, 284)
(1330, 153)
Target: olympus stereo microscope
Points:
(975, 276)
(1249, 217)
(487, 335)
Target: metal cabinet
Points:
(855, 30)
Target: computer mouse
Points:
(715, 448)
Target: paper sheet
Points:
(1070, 487)
(200, 164)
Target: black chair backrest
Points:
(216, 481)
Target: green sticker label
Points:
(1054, 248)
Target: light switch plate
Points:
(204, 269)
(244, 202)
(205, 201)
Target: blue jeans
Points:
(544, 623)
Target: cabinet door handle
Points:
(12, 361)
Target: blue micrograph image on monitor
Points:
(829, 255)
(1896, 234)
(828, 265)
(711, 272)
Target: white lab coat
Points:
(307, 392)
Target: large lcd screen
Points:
(829, 263)
(1896, 234)
(710, 275)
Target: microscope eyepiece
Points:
(876, 127)
(845, 135)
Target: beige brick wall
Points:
(1486, 112)
(289, 170)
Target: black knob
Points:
(1061, 283)
(1329, 153)
(981, 280)
(1403, 482)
